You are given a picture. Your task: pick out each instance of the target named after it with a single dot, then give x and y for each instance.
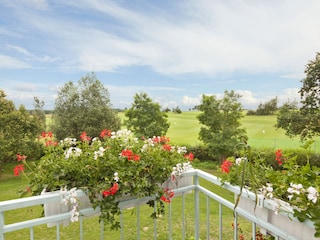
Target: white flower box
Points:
(268, 210)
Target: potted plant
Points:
(288, 186)
(109, 167)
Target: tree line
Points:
(85, 106)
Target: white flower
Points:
(182, 150)
(99, 153)
(74, 214)
(312, 194)
(295, 188)
(71, 198)
(72, 152)
(116, 177)
(267, 191)
(179, 169)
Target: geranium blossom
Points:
(105, 133)
(267, 191)
(167, 195)
(312, 194)
(99, 153)
(71, 198)
(111, 191)
(189, 156)
(226, 166)
(116, 176)
(84, 137)
(21, 157)
(18, 169)
(166, 147)
(179, 169)
(73, 152)
(130, 155)
(294, 189)
(279, 156)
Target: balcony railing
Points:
(188, 216)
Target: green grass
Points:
(184, 130)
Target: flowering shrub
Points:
(108, 167)
(295, 184)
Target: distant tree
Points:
(39, 114)
(83, 107)
(306, 120)
(267, 108)
(222, 130)
(18, 132)
(145, 117)
(176, 110)
(167, 110)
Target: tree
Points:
(83, 107)
(267, 108)
(145, 117)
(177, 110)
(222, 130)
(304, 121)
(18, 132)
(39, 113)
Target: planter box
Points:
(57, 206)
(265, 210)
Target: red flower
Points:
(129, 155)
(105, 133)
(84, 137)
(21, 157)
(166, 147)
(226, 166)
(111, 191)
(162, 139)
(18, 169)
(51, 143)
(136, 157)
(279, 156)
(167, 195)
(189, 156)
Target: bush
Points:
(201, 152)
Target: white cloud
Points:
(18, 49)
(202, 37)
(8, 62)
(247, 99)
(191, 101)
(25, 87)
(289, 94)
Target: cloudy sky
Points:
(174, 50)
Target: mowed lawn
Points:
(185, 127)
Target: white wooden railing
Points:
(202, 228)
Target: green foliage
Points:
(145, 118)
(201, 153)
(290, 182)
(18, 132)
(305, 121)
(83, 107)
(267, 108)
(176, 110)
(110, 167)
(39, 113)
(221, 119)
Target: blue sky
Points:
(175, 51)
